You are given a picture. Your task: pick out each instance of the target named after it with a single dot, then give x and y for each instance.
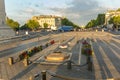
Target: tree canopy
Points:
(24, 27)
(45, 25)
(32, 24)
(67, 22)
(92, 23)
(115, 20)
(118, 9)
(100, 20)
(13, 24)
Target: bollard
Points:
(26, 62)
(102, 30)
(88, 59)
(96, 30)
(43, 75)
(31, 78)
(10, 60)
(90, 66)
(69, 65)
(46, 44)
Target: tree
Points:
(32, 24)
(45, 25)
(111, 21)
(115, 20)
(100, 19)
(24, 27)
(67, 22)
(118, 9)
(91, 24)
(13, 24)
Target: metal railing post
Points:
(43, 75)
(69, 65)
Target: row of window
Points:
(47, 21)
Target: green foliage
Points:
(45, 25)
(91, 24)
(99, 21)
(118, 9)
(111, 21)
(13, 24)
(32, 24)
(67, 22)
(24, 27)
(115, 20)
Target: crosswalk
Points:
(106, 64)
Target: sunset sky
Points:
(78, 11)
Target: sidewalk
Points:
(114, 32)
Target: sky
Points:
(78, 11)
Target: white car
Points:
(63, 46)
(69, 43)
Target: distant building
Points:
(52, 21)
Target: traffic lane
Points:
(116, 37)
(75, 52)
(100, 59)
(25, 46)
(115, 48)
(111, 55)
(116, 43)
(30, 36)
(36, 34)
(20, 48)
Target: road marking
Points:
(115, 45)
(117, 55)
(79, 60)
(96, 65)
(116, 40)
(108, 63)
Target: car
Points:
(105, 29)
(65, 28)
(63, 46)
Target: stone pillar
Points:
(26, 62)
(102, 30)
(69, 65)
(5, 31)
(43, 75)
(90, 66)
(2, 13)
(96, 30)
(10, 60)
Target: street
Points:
(106, 58)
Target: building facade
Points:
(52, 21)
(111, 13)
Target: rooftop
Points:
(48, 16)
